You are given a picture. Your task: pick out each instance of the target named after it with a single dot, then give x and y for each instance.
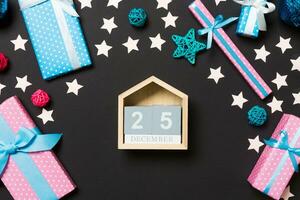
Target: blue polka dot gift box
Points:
(56, 36)
(252, 19)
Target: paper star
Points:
(103, 48)
(114, 3)
(170, 20)
(296, 64)
(157, 42)
(255, 144)
(238, 100)
(218, 1)
(85, 3)
(163, 4)
(109, 24)
(2, 87)
(275, 105)
(19, 43)
(131, 44)
(296, 98)
(215, 74)
(280, 81)
(284, 44)
(46, 116)
(262, 53)
(73, 87)
(287, 194)
(22, 83)
(187, 46)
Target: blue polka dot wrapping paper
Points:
(56, 36)
(248, 25)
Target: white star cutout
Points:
(157, 42)
(284, 44)
(2, 87)
(46, 116)
(114, 3)
(19, 43)
(218, 1)
(22, 83)
(131, 44)
(85, 3)
(170, 20)
(255, 144)
(287, 194)
(109, 24)
(103, 48)
(280, 81)
(275, 105)
(215, 74)
(73, 87)
(296, 64)
(238, 100)
(163, 4)
(261, 53)
(297, 98)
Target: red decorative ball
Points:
(40, 98)
(3, 62)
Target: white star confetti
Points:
(163, 4)
(103, 48)
(46, 116)
(286, 195)
(261, 53)
(157, 42)
(109, 24)
(114, 3)
(19, 43)
(284, 44)
(238, 100)
(85, 3)
(215, 74)
(170, 20)
(131, 44)
(218, 1)
(22, 83)
(2, 87)
(296, 98)
(280, 81)
(73, 87)
(275, 105)
(255, 144)
(296, 64)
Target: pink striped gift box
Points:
(274, 168)
(49, 180)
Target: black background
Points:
(217, 164)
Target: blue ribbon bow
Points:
(218, 23)
(283, 144)
(26, 141)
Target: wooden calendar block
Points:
(138, 120)
(166, 120)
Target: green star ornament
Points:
(187, 46)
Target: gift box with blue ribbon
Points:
(252, 20)
(56, 36)
(279, 160)
(28, 167)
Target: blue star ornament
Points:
(187, 46)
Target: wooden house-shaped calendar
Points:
(153, 115)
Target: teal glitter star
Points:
(187, 46)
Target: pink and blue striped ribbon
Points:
(232, 52)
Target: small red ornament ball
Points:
(3, 62)
(40, 98)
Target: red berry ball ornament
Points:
(40, 98)
(3, 62)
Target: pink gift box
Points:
(46, 166)
(274, 168)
